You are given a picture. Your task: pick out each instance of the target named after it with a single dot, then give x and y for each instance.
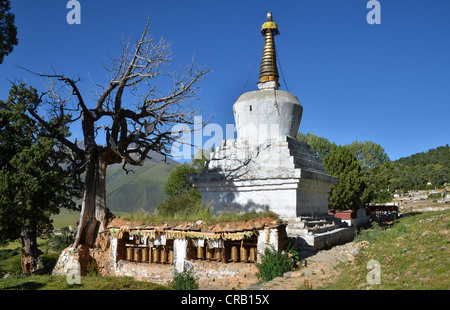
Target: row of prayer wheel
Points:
(243, 254)
(237, 253)
(158, 255)
(209, 253)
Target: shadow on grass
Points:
(26, 286)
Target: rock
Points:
(307, 272)
(355, 252)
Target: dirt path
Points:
(320, 269)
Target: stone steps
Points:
(299, 230)
(313, 233)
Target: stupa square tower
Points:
(266, 168)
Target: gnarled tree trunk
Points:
(30, 251)
(94, 214)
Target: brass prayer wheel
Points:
(130, 254)
(156, 255)
(144, 254)
(253, 256)
(164, 256)
(218, 254)
(244, 254)
(209, 253)
(137, 254)
(200, 252)
(170, 256)
(234, 253)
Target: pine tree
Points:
(8, 30)
(349, 192)
(33, 182)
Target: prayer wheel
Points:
(200, 252)
(156, 255)
(253, 256)
(171, 256)
(244, 254)
(234, 253)
(209, 253)
(164, 256)
(145, 255)
(218, 253)
(130, 254)
(137, 254)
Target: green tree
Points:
(182, 196)
(178, 179)
(369, 153)
(374, 164)
(33, 182)
(413, 172)
(349, 192)
(8, 31)
(319, 145)
(378, 180)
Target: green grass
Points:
(65, 218)
(10, 263)
(413, 255)
(50, 282)
(202, 213)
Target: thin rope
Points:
(281, 69)
(253, 69)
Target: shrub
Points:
(185, 203)
(370, 234)
(183, 281)
(59, 242)
(92, 269)
(274, 264)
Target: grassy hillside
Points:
(127, 193)
(65, 218)
(413, 172)
(143, 189)
(413, 255)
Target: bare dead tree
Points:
(135, 115)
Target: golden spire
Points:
(268, 72)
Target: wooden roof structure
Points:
(199, 230)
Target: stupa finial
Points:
(268, 72)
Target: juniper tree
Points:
(349, 192)
(8, 30)
(33, 182)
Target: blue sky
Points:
(387, 83)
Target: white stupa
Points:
(266, 167)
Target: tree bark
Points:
(94, 214)
(30, 251)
